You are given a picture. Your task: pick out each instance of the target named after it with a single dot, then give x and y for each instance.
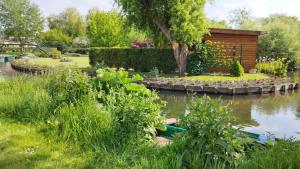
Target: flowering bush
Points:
(141, 43)
(277, 68)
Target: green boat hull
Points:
(171, 130)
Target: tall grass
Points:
(113, 127)
(24, 98)
(85, 123)
(282, 155)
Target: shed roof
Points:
(235, 31)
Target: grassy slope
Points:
(22, 146)
(81, 62)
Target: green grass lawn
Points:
(247, 76)
(81, 62)
(22, 146)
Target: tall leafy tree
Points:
(282, 38)
(104, 28)
(182, 22)
(20, 19)
(110, 29)
(69, 21)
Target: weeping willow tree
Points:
(182, 22)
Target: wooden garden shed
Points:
(242, 43)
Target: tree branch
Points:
(161, 25)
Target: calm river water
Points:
(6, 70)
(277, 113)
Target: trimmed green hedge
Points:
(139, 59)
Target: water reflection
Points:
(277, 113)
(6, 70)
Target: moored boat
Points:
(172, 129)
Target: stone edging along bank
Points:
(271, 85)
(29, 68)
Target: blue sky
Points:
(220, 9)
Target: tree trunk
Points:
(181, 52)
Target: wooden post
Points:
(241, 57)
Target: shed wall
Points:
(249, 43)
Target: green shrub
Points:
(55, 38)
(55, 54)
(67, 86)
(139, 59)
(205, 56)
(210, 138)
(135, 109)
(236, 69)
(277, 68)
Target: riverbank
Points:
(63, 111)
(228, 87)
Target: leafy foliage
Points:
(69, 22)
(20, 19)
(210, 134)
(205, 56)
(104, 29)
(140, 59)
(182, 23)
(124, 117)
(280, 42)
(277, 68)
(55, 38)
(68, 86)
(135, 109)
(80, 42)
(218, 24)
(110, 29)
(111, 78)
(55, 54)
(185, 20)
(236, 69)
